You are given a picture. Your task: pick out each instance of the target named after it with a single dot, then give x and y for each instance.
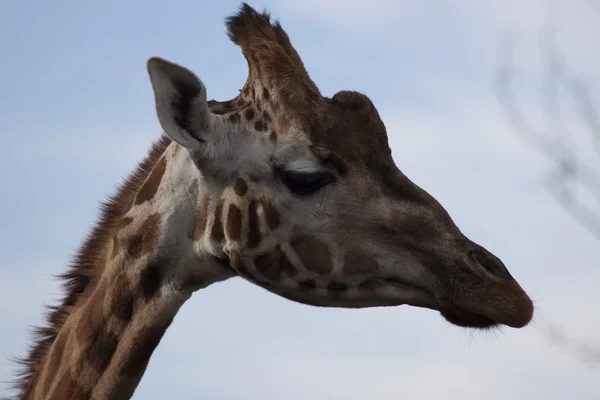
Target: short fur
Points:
(271, 58)
(83, 267)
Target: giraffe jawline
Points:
(386, 292)
(464, 318)
(377, 292)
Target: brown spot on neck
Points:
(116, 248)
(148, 191)
(146, 239)
(151, 279)
(122, 298)
(143, 347)
(98, 342)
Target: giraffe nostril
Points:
(483, 259)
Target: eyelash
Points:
(306, 184)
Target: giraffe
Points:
(291, 190)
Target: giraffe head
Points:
(303, 196)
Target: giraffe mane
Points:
(82, 268)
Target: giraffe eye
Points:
(305, 184)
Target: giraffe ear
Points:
(180, 103)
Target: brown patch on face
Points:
(356, 263)
(315, 255)
(273, 137)
(266, 93)
(268, 264)
(121, 302)
(234, 223)
(201, 219)
(216, 232)
(99, 345)
(259, 125)
(142, 348)
(271, 214)
(240, 187)
(266, 117)
(249, 114)
(254, 235)
(151, 279)
(146, 239)
(149, 189)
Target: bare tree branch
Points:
(586, 353)
(557, 143)
(569, 173)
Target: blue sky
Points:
(78, 114)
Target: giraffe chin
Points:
(463, 318)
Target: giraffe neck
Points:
(149, 265)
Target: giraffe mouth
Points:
(417, 296)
